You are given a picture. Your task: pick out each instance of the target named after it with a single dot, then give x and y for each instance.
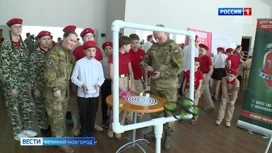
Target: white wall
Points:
(115, 11)
(57, 13)
(260, 10)
(197, 14)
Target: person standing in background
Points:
(87, 35)
(206, 68)
(230, 88)
(88, 77)
(58, 68)
(187, 61)
(1, 36)
(140, 77)
(37, 60)
(14, 68)
(72, 105)
(29, 41)
(197, 86)
(146, 46)
(106, 86)
(126, 77)
(219, 63)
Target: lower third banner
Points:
(53, 141)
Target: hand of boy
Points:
(148, 69)
(197, 93)
(132, 89)
(85, 88)
(96, 86)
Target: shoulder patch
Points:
(50, 62)
(176, 51)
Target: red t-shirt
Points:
(136, 58)
(79, 53)
(124, 59)
(235, 61)
(198, 77)
(205, 63)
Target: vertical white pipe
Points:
(116, 25)
(192, 65)
(158, 130)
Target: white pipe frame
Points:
(158, 122)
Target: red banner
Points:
(204, 37)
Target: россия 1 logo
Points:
(235, 11)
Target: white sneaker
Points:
(30, 133)
(98, 128)
(20, 135)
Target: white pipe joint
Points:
(117, 25)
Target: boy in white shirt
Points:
(219, 63)
(88, 76)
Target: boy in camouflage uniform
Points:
(37, 59)
(15, 78)
(164, 58)
(58, 68)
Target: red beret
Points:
(69, 28)
(204, 46)
(107, 43)
(231, 71)
(197, 59)
(89, 44)
(221, 48)
(43, 33)
(2, 39)
(85, 31)
(149, 36)
(14, 21)
(229, 50)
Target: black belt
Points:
(137, 78)
(123, 75)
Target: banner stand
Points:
(256, 112)
(268, 145)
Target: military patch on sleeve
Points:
(50, 62)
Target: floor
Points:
(204, 137)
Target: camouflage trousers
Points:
(170, 95)
(24, 98)
(41, 113)
(56, 109)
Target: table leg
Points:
(134, 130)
(134, 142)
(158, 135)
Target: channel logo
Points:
(234, 11)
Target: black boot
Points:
(68, 118)
(46, 132)
(167, 141)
